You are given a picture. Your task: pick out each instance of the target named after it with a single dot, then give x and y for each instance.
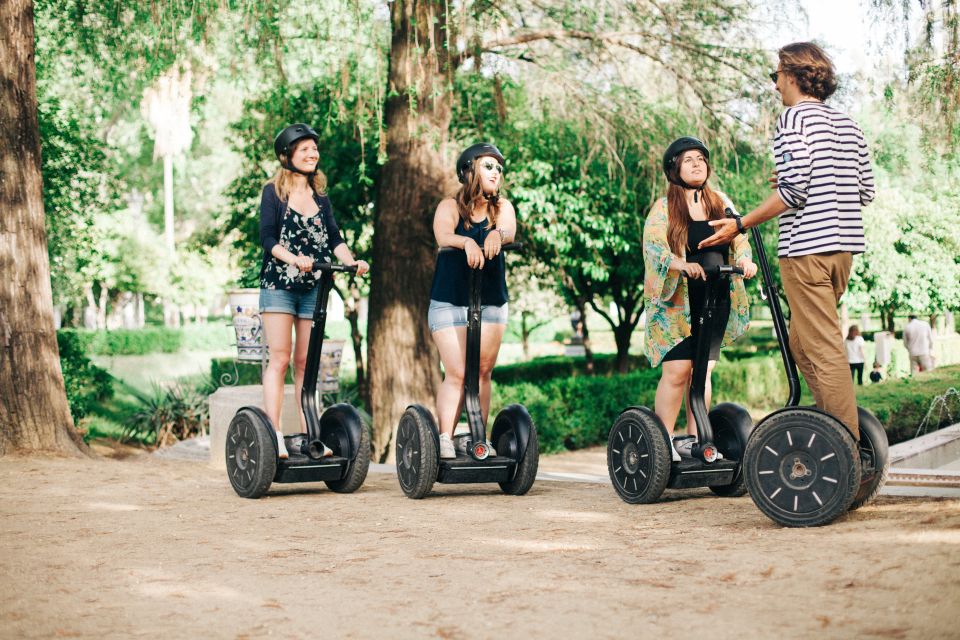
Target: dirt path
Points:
(147, 548)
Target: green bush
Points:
(230, 372)
(124, 342)
(551, 367)
(173, 413)
(86, 383)
(573, 412)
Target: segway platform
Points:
(690, 473)
(464, 469)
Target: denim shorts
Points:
(443, 315)
(300, 303)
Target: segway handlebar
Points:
(510, 246)
(330, 267)
(718, 270)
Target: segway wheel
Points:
(416, 451)
(802, 467)
(339, 427)
(512, 427)
(638, 456)
(251, 453)
(874, 458)
(731, 430)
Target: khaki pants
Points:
(813, 285)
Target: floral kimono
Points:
(665, 292)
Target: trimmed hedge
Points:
(224, 371)
(126, 342)
(551, 367)
(86, 384)
(577, 411)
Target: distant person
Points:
(823, 179)
(854, 345)
(918, 339)
(297, 228)
(877, 374)
(674, 304)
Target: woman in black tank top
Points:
(691, 204)
(477, 221)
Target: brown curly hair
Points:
(811, 67)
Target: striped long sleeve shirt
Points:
(824, 176)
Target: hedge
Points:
(201, 337)
(551, 367)
(577, 411)
(86, 384)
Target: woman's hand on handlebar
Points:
(474, 254)
(749, 267)
(362, 266)
(492, 245)
(693, 270)
(303, 263)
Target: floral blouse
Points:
(665, 292)
(299, 235)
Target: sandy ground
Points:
(147, 547)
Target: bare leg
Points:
(490, 340)
(674, 380)
(276, 329)
(299, 364)
(452, 344)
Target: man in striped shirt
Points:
(822, 180)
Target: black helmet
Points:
(288, 138)
(465, 162)
(677, 147)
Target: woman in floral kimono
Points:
(675, 226)
(297, 228)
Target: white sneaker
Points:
(674, 454)
(447, 451)
(281, 447)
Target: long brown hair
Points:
(282, 180)
(678, 213)
(470, 196)
(811, 67)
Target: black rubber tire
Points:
(638, 456)
(251, 453)
(358, 467)
(874, 458)
(526, 473)
(417, 453)
(801, 453)
(732, 425)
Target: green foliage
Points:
(902, 404)
(230, 372)
(86, 383)
(549, 367)
(172, 413)
(124, 342)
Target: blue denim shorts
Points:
(296, 303)
(443, 315)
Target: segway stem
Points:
(308, 395)
(471, 374)
(772, 292)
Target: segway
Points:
(639, 458)
(514, 436)
(252, 455)
(802, 466)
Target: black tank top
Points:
(698, 231)
(451, 276)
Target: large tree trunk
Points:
(402, 358)
(34, 414)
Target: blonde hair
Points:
(470, 195)
(282, 180)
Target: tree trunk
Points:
(34, 414)
(587, 350)
(168, 201)
(402, 358)
(525, 331)
(621, 336)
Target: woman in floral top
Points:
(674, 228)
(297, 228)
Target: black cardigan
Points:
(272, 209)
